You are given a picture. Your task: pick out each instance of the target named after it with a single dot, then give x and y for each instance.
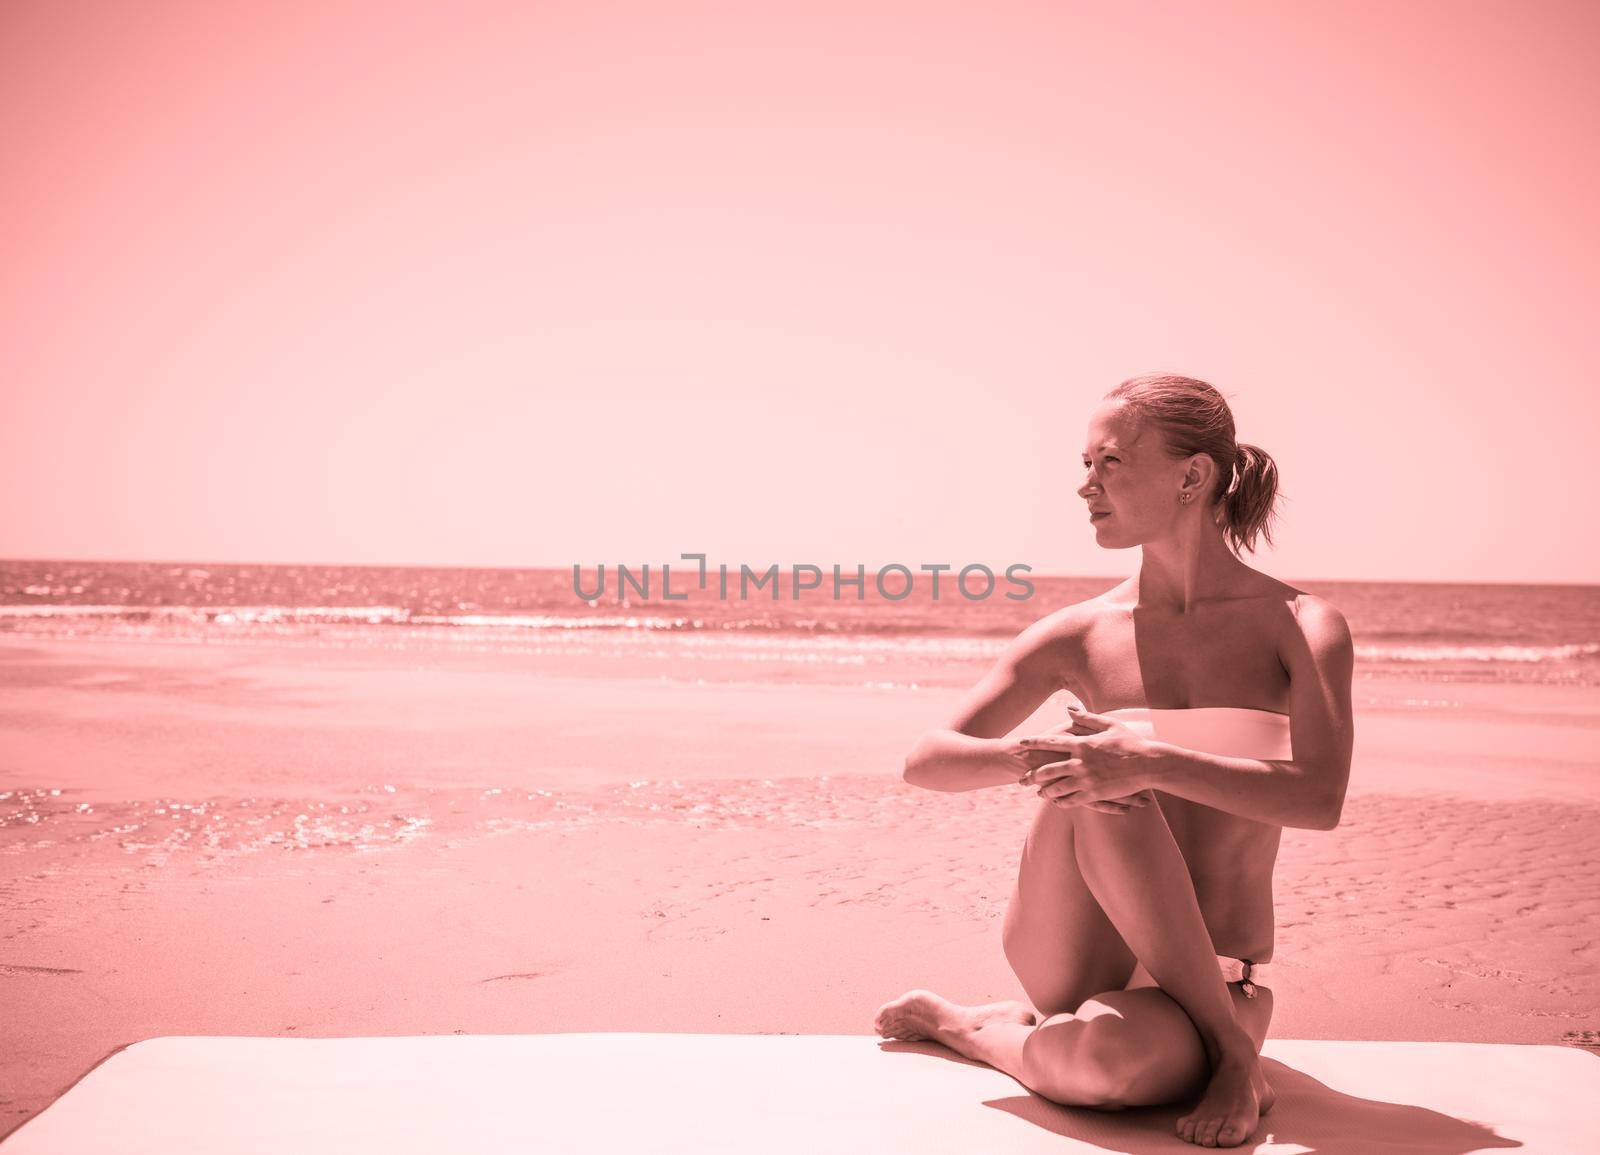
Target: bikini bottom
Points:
(1241, 971)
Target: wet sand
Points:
(210, 839)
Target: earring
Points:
(1184, 499)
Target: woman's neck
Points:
(1193, 566)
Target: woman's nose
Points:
(1090, 485)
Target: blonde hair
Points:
(1196, 419)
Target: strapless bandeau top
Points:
(1232, 731)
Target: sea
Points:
(886, 628)
(551, 621)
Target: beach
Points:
(223, 839)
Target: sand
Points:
(254, 840)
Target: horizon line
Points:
(1031, 572)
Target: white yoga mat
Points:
(483, 1094)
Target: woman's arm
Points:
(950, 761)
(1307, 790)
(1282, 793)
(972, 752)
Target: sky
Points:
(832, 283)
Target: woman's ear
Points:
(1198, 472)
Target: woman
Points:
(1218, 694)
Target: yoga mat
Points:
(770, 1093)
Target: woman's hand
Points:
(1093, 761)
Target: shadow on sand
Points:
(1309, 1117)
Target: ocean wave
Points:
(760, 630)
(1477, 653)
(373, 615)
(397, 615)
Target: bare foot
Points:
(1235, 1099)
(922, 1014)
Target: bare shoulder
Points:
(1320, 623)
(1044, 658)
(1306, 615)
(1072, 624)
(1052, 648)
(1317, 651)
(1310, 632)
(1076, 619)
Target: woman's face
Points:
(1130, 484)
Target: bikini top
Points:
(1232, 731)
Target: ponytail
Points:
(1247, 507)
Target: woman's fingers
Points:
(1049, 773)
(1104, 806)
(1071, 797)
(1062, 743)
(1074, 725)
(1092, 723)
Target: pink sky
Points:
(530, 284)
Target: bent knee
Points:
(1141, 1061)
(1054, 981)
(1121, 1063)
(1097, 1062)
(1112, 1061)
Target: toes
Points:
(1231, 1135)
(1208, 1132)
(899, 1027)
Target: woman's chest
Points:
(1166, 662)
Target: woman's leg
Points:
(1132, 865)
(1058, 940)
(1135, 870)
(1066, 949)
